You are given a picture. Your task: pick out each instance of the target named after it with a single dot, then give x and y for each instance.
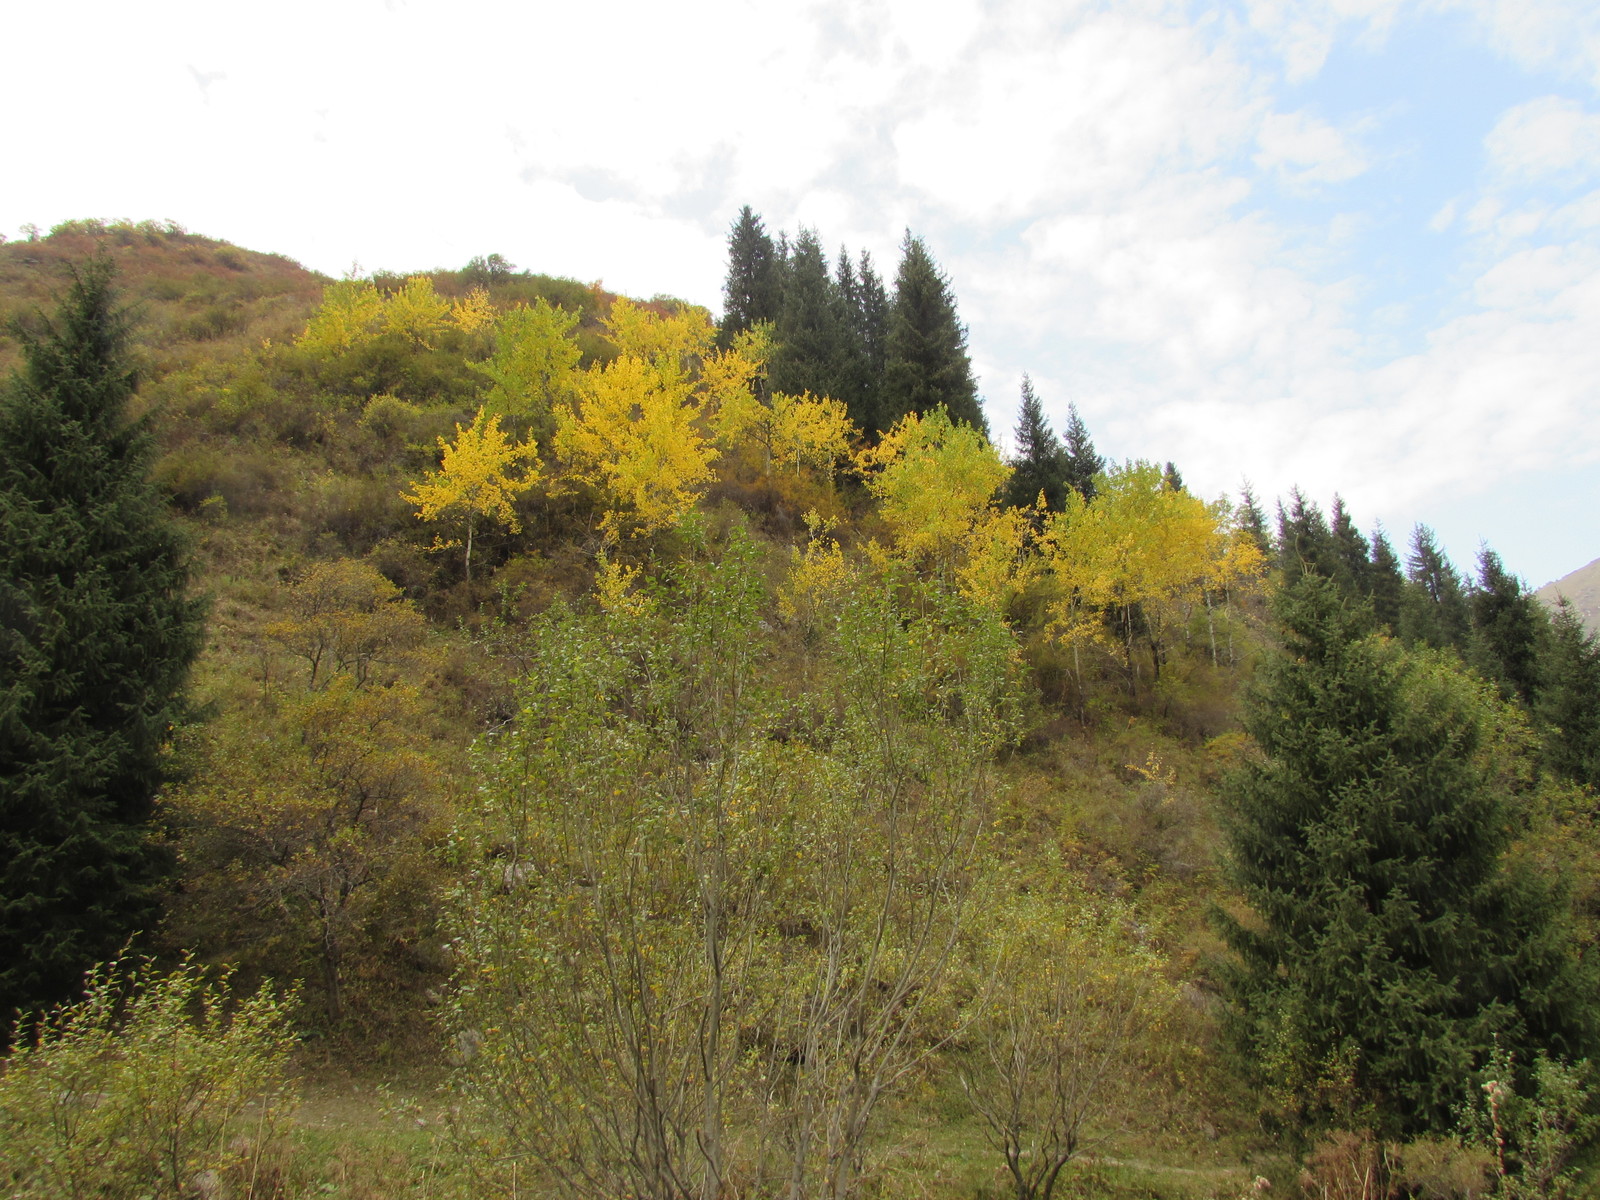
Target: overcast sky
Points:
(1349, 245)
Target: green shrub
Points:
(151, 1086)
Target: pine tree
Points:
(1507, 626)
(1433, 606)
(1352, 563)
(97, 634)
(927, 364)
(1392, 944)
(1305, 543)
(1083, 464)
(1388, 584)
(1171, 479)
(751, 293)
(1568, 704)
(810, 352)
(1039, 464)
(857, 383)
(1253, 520)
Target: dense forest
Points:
(471, 733)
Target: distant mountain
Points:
(1582, 588)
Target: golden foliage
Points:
(416, 312)
(473, 481)
(472, 312)
(348, 315)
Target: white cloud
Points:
(1548, 139)
(1306, 150)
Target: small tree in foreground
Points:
(141, 1089)
(474, 482)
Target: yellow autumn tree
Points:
(348, 315)
(534, 366)
(639, 429)
(1137, 560)
(472, 312)
(936, 483)
(417, 312)
(474, 481)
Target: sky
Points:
(1350, 246)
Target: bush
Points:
(142, 1088)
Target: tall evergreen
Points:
(927, 364)
(1392, 943)
(751, 292)
(1568, 705)
(1039, 464)
(1350, 556)
(1171, 479)
(1388, 584)
(1305, 543)
(873, 313)
(97, 634)
(1433, 606)
(1507, 626)
(1083, 463)
(857, 384)
(1253, 520)
(810, 353)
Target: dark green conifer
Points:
(1388, 583)
(751, 292)
(1305, 543)
(1392, 943)
(1507, 626)
(1039, 463)
(1171, 480)
(1083, 463)
(1433, 606)
(1568, 704)
(1254, 521)
(1351, 563)
(858, 386)
(97, 634)
(810, 352)
(927, 364)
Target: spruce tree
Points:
(856, 382)
(810, 354)
(97, 634)
(1568, 704)
(1305, 543)
(1039, 463)
(1083, 463)
(927, 364)
(1392, 943)
(1433, 606)
(1253, 520)
(751, 292)
(1171, 478)
(1351, 559)
(1507, 627)
(1388, 583)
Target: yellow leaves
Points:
(613, 589)
(416, 312)
(635, 437)
(473, 480)
(817, 574)
(934, 482)
(348, 316)
(669, 340)
(473, 312)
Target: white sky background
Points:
(1352, 245)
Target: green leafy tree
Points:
(1392, 940)
(1040, 464)
(926, 362)
(97, 634)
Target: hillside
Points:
(1582, 589)
(602, 732)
